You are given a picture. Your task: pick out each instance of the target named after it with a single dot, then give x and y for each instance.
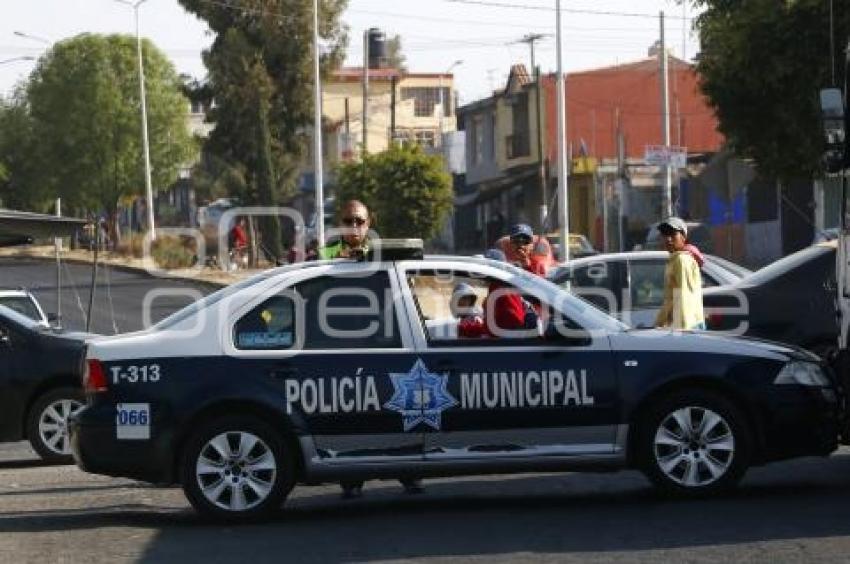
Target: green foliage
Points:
(408, 192)
(260, 75)
(761, 65)
(20, 158)
(83, 102)
(395, 55)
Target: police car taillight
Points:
(94, 377)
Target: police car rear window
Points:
(324, 313)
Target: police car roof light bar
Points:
(395, 249)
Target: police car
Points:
(341, 370)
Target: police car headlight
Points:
(802, 374)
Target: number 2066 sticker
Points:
(133, 421)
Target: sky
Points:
(435, 33)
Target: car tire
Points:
(694, 443)
(47, 423)
(236, 469)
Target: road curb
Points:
(130, 269)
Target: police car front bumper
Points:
(801, 422)
(97, 450)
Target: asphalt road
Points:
(796, 511)
(119, 294)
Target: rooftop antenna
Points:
(531, 39)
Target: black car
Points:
(334, 371)
(791, 301)
(39, 384)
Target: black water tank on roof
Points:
(377, 48)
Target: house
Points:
(613, 115)
(402, 106)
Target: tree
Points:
(395, 55)
(261, 76)
(761, 65)
(20, 158)
(83, 100)
(408, 192)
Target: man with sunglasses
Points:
(526, 250)
(354, 227)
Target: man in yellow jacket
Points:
(682, 307)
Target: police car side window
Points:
(269, 326)
(349, 312)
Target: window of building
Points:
(425, 138)
(426, 98)
(324, 313)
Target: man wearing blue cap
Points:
(526, 250)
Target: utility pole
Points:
(544, 196)
(365, 119)
(667, 206)
(145, 142)
(317, 131)
(563, 202)
(393, 83)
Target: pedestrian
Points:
(238, 242)
(682, 305)
(355, 222)
(526, 250)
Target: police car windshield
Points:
(211, 299)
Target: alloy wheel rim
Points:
(694, 446)
(53, 425)
(236, 471)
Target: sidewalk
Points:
(80, 256)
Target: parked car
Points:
(24, 303)
(791, 300)
(40, 388)
(630, 286)
(579, 245)
(327, 372)
(698, 234)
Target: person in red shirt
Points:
(527, 250)
(504, 310)
(238, 240)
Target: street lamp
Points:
(13, 59)
(442, 107)
(145, 143)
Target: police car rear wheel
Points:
(47, 424)
(236, 468)
(694, 443)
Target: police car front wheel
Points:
(694, 443)
(236, 468)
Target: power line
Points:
(531, 7)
